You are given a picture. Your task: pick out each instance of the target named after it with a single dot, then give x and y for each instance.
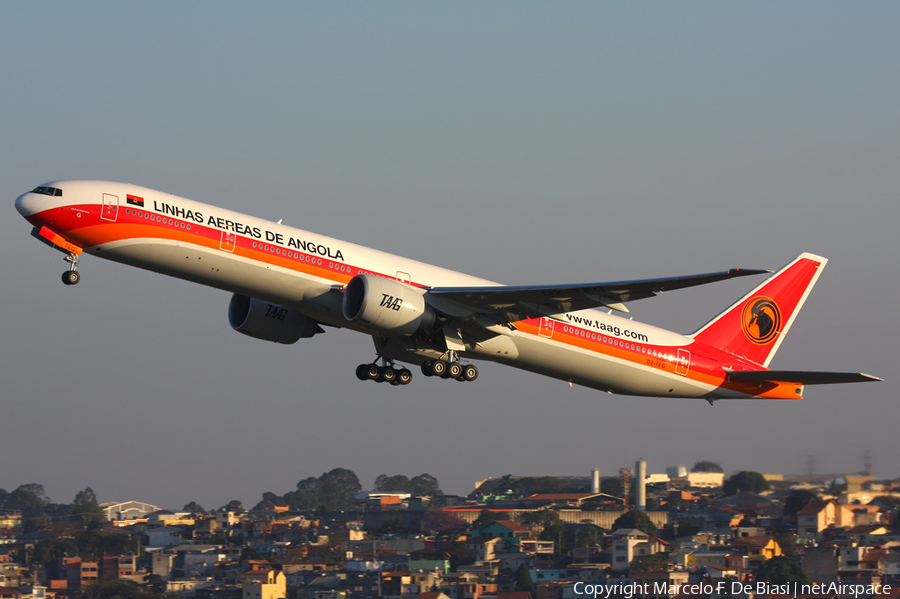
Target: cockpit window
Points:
(48, 191)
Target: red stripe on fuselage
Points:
(82, 225)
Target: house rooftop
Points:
(814, 507)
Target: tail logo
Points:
(761, 320)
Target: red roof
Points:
(814, 507)
(873, 556)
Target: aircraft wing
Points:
(509, 304)
(801, 377)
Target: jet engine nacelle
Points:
(269, 322)
(386, 306)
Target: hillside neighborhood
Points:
(513, 537)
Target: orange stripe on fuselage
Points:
(664, 361)
(84, 226)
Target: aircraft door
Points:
(110, 208)
(683, 363)
(546, 329)
(226, 243)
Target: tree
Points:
(539, 518)
(156, 583)
(797, 501)
(425, 485)
(339, 488)
(677, 530)
(91, 514)
(746, 480)
(836, 488)
(522, 579)
(233, 506)
(635, 519)
(399, 483)
(28, 499)
(612, 486)
(589, 536)
(486, 517)
(788, 543)
(560, 534)
(195, 509)
(648, 563)
(458, 552)
(707, 466)
(444, 523)
(781, 570)
(86, 496)
(532, 485)
(119, 589)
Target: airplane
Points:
(288, 284)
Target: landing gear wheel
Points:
(71, 277)
(362, 372)
(454, 370)
(388, 375)
(426, 368)
(438, 368)
(470, 372)
(404, 376)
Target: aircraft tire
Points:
(426, 368)
(388, 374)
(438, 368)
(372, 372)
(470, 372)
(454, 370)
(404, 376)
(362, 372)
(71, 277)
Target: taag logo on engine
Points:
(389, 301)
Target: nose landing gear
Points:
(71, 276)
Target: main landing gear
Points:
(71, 276)
(450, 368)
(447, 367)
(386, 373)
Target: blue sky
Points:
(520, 142)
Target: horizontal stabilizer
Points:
(801, 377)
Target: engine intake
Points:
(269, 322)
(386, 306)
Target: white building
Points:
(128, 510)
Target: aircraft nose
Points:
(31, 203)
(27, 204)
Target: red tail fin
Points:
(755, 326)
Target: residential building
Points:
(78, 573)
(629, 543)
(821, 514)
(270, 584)
(758, 549)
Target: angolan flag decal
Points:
(134, 200)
